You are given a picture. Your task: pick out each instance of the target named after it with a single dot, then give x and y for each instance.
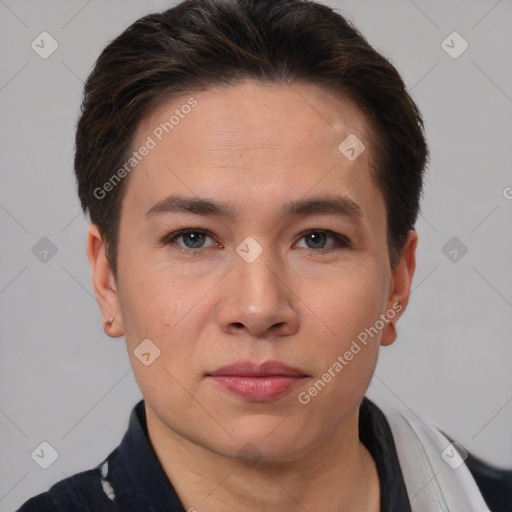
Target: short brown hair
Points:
(203, 43)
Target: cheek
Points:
(350, 303)
(153, 295)
(160, 309)
(162, 305)
(343, 364)
(347, 352)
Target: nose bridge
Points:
(256, 269)
(256, 296)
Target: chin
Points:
(263, 439)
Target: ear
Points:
(103, 283)
(400, 287)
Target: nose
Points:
(258, 299)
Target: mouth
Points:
(257, 382)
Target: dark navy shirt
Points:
(131, 478)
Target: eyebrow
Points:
(328, 205)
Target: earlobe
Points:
(400, 288)
(103, 283)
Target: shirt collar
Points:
(375, 434)
(140, 482)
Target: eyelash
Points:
(341, 242)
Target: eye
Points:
(193, 239)
(316, 239)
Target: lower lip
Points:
(258, 389)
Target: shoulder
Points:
(80, 492)
(91, 489)
(494, 483)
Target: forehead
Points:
(256, 142)
(244, 116)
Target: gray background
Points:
(63, 381)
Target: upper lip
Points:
(250, 369)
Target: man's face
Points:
(209, 298)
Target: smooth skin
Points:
(302, 301)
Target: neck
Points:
(338, 474)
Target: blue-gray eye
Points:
(318, 238)
(192, 238)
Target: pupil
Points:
(195, 238)
(318, 239)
